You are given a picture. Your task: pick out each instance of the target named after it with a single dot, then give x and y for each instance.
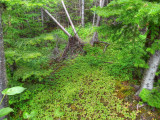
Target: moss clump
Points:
(123, 89)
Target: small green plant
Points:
(28, 116)
(140, 103)
(10, 91)
(152, 97)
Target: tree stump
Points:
(73, 47)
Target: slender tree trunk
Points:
(94, 17)
(3, 79)
(80, 9)
(74, 30)
(62, 28)
(107, 2)
(99, 18)
(42, 19)
(82, 13)
(149, 74)
(94, 14)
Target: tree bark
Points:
(94, 14)
(82, 13)
(42, 19)
(101, 4)
(62, 28)
(74, 30)
(94, 17)
(149, 73)
(80, 9)
(3, 79)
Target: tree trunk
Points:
(74, 30)
(149, 73)
(94, 14)
(62, 28)
(80, 9)
(3, 80)
(94, 17)
(95, 36)
(42, 19)
(82, 13)
(101, 4)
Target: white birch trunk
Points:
(94, 17)
(74, 30)
(3, 79)
(149, 74)
(99, 18)
(82, 13)
(65, 31)
(80, 7)
(94, 14)
(42, 18)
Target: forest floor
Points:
(82, 88)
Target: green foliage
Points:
(26, 115)
(57, 113)
(84, 92)
(21, 22)
(154, 47)
(80, 88)
(84, 87)
(5, 111)
(152, 97)
(127, 21)
(10, 91)
(13, 90)
(26, 60)
(32, 90)
(127, 51)
(24, 18)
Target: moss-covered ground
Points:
(82, 88)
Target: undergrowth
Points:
(80, 88)
(80, 91)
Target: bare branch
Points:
(74, 30)
(64, 30)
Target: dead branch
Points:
(62, 28)
(74, 30)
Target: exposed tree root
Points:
(73, 47)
